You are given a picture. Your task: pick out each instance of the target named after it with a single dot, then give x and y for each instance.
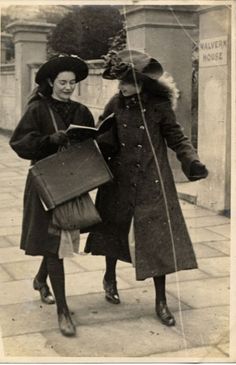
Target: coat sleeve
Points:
(177, 141)
(28, 141)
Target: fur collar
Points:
(167, 81)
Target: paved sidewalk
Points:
(129, 330)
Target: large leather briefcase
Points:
(69, 173)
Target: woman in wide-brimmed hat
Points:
(34, 138)
(141, 215)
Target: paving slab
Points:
(223, 246)
(92, 263)
(206, 326)
(4, 231)
(14, 318)
(186, 205)
(14, 254)
(215, 266)
(197, 354)
(9, 212)
(6, 196)
(17, 292)
(202, 250)
(202, 293)
(11, 219)
(224, 230)
(186, 275)
(28, 269)
(35, 345)
(4, 242)
(128, 274)
(213, 220)
(124, 338)
(204, 235)
(88, 282)
(4, 276)
(14, 240)
(197, 212)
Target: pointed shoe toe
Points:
(111, 292)
(164, 314)
(66, 325)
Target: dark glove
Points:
(197, 171)
(60, 138)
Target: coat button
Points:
(138, 165)
(139, 146)
(156, 181)
(134, 184)
(141, 127)
(123, 144)
(125, 125)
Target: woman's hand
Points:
(197, 171)
(59, 138)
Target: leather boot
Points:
(111, 292)
(164, 314)
(44, 291)
(66, 324)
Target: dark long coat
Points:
(30, 141)
(136, 190)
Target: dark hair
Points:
(40, 92)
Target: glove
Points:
(60, 138)
(197, 171)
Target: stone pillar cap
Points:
(29, 26)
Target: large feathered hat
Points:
(131, 63)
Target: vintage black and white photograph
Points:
(117, 190)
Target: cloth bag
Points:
(79, 213)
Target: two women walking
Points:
(142, 222)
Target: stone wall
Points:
(7, 97)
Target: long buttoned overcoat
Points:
(31, 141)
(136, 190)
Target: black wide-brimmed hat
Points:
(127, 63)
(60, 63)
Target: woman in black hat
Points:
(34, 138)
(141, 215)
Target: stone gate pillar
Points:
(4, 38)
(30, 39)
(214, 106)
(167, 34)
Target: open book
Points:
(82, 132)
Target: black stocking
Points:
(43, 271)
(110, 274)
(56, 274)
(160, 288)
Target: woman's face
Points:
(63, 85)
(128, 88)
